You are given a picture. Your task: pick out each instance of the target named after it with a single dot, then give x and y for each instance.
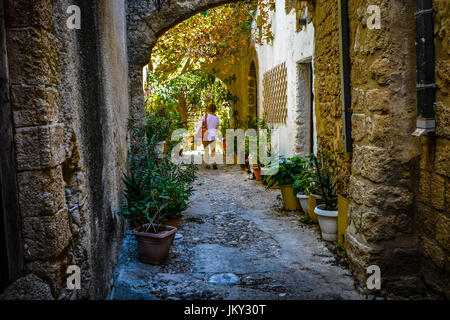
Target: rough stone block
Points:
(427, 155)
(359, 74)
(41, 192)
(442, 160)
(427, 219)
(359, 128)
(432, 250)
(45, 237)
(23, 13)
(391, 199)
(39, 147)
(438, 192)
(377, 100)
(358, 100)
(34, 106)
(443, 231)
(33, 57)
(381, 71)
(442, 119)
(29, 287)
(372, 163)
(424, 187)
(54, 273)
(378, 227)
(379, 129)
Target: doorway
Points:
(306, 141)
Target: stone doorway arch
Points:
(381, 209)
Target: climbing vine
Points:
(215, 34)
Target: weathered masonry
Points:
(69, 93)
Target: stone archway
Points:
(145, 26)
(380, 215)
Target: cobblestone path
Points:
(237, 244)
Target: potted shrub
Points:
(156, 191)
(305, 185)
(285, 178)
(327, 211)
(143, 211)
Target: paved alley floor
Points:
(236, 244)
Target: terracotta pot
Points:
(290, 200)
(153, 248)
(257, 172)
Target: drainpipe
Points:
(425, 67)
(344, 45)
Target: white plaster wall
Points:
(290, 47)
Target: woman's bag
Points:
(204, 126)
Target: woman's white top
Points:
(213, 126)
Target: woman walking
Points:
(207, 132)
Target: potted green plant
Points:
(327, 211)
(156, 191)
(305, 185)
(144, 211)
(285, 171)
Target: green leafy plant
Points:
(157, 189)
(288, 169)
(327, 171)
(305, 181)
(306, 219)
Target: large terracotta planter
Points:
(290, 200)
(328, 222)
(153, 248)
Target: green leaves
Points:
(156, 189)
(212, 35)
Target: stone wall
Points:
(395, 222)
(381, 217)
(327, 84)
(70, 106)
(433, 178)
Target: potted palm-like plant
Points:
(156, 191)
(327, 211)
(144, 211)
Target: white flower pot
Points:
(327, 222)
(303, 202)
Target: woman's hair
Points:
(212, 108)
